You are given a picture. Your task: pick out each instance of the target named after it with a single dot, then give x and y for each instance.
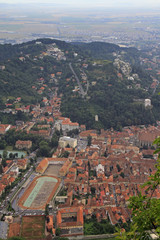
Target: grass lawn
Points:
(92, 227)
(18, 105)
(33, 227)
(9, 148)
(103, 239)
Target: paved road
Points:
(29, 178)
(79, 84)
(115, 196)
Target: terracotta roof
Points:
(42, 165)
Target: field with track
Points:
(39, 193)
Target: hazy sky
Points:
(94, 3)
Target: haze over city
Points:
(121, 22)
(92, 3)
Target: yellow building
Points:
(65, 168)
(64, 141)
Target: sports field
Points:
(39, 193)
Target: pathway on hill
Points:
(78, 81)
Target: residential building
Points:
(23, 144)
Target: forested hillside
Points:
(113, 82)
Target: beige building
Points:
(23, 144)
(64, 141)
(66, 125)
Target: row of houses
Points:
(11, 172)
